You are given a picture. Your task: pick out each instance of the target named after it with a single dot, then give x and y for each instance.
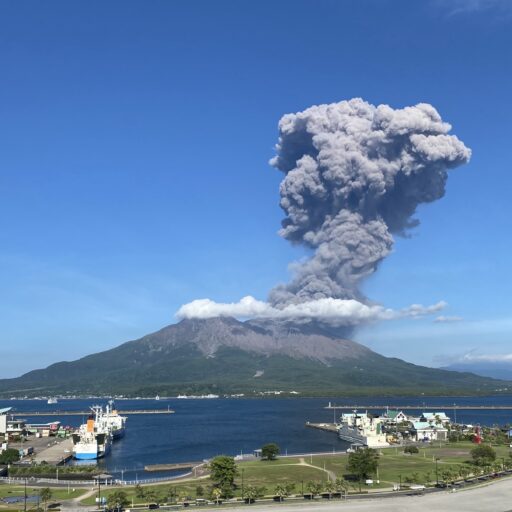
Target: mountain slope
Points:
(227, 356)
(494, 370)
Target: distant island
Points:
(226, 356)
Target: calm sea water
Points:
(204, 428)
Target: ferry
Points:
(93, 440)
(113, 421)
(52, 400)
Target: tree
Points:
(216, 494)
(342, 486)
(314, 488)
(172, 493)
(483, 455)
(117, 500)
(45, 494)
(223, 471)
(140, 493)
(199, 491)
(329, 488)
(411, 449)
(280, 492)
(252, 492)
(270, 451)
(413, 478)
(363, 463)
(9, 456)
(152, 496)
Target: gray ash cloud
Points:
(355, 174)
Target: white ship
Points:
(93, 440)
(111, 420)
(52, 400)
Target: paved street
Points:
(495, 497)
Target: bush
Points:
(483, 454)
(411, 449)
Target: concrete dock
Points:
(424, 407)
(56, 454)
(328, 427)
(86, 413)
(172, 467)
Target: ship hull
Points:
(118, 434)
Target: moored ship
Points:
(92, 441)
(112, 420)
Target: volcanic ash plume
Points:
(354, 176)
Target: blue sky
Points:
(134, 176)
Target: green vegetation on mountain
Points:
(227, 356)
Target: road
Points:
(495, 497)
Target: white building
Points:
(394, 417)
(435, 418)
(3, 420)
(362, 429)
(426, 431)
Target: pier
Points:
(172, 467)
(56, 454)
(422, 407)
(328, 427)
(86, 413)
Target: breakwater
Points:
(130, 412)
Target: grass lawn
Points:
(393, 464)
(161, 491)
(269, 474)
(297, 470)
(18, 491)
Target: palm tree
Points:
(172, 494)
(280, 491)
(342, 486)
(329, 487)
(46, 495)
(216, 494)
(314, 488)
(140, 492)
(117, 500)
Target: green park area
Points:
(35, 495)
(314, 474)
(309, 474)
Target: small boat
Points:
(52, 400)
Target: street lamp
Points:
(99, 492)
(437, 474)
(243, 483)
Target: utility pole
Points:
(99, 492)
(437, 474)
(25, 496)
